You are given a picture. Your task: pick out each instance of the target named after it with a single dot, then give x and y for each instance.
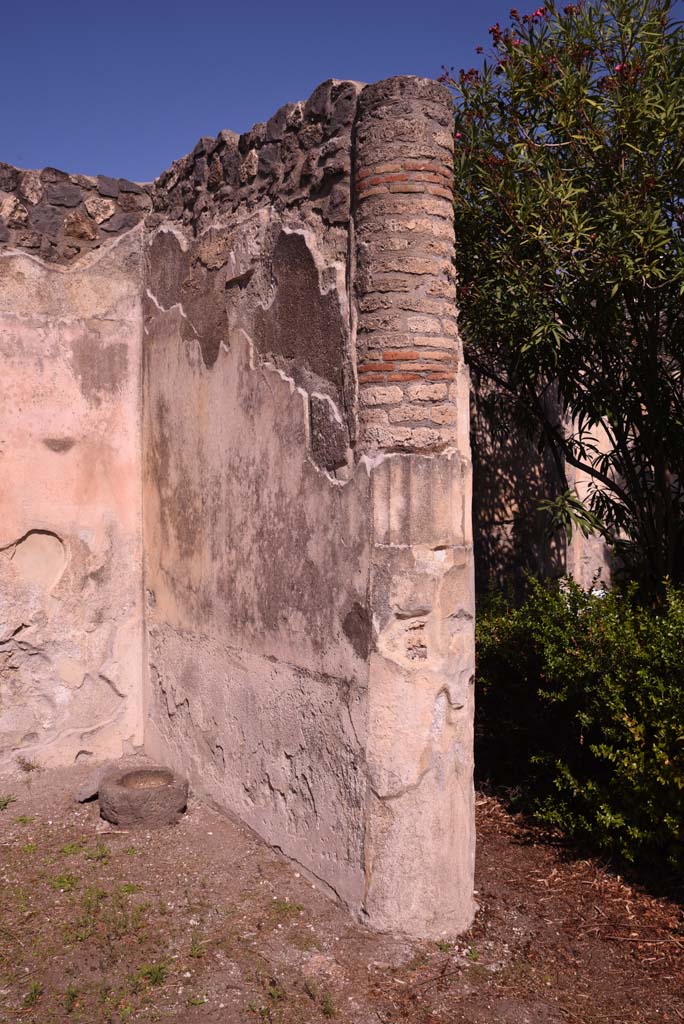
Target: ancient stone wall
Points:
(308, 577)
(62, 217)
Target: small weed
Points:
(101, 854)
(64, 883)
(128, 888)
(196, 947)
(105, 994)
(472, 954)
(86, 924)
(154, 974)
(24, 819)
(26, 764)
(274, 992)
(5, 801)
(22, 899)
(70, 848)
(304, 941)
(71, 999)
(197, 1001)
(131, 851)
(125, 1012)
(327, 1005)
(92, 897)
(29, 848)
(444, 946)
(138, 916)
(283, 908)
(33, 994)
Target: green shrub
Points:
(581, 714)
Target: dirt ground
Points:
(203, 922)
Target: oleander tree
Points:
(569, 181)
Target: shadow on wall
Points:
(510, 478)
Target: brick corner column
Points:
(413, 407)
(408, 350)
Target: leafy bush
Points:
(581, 711)
(569, 207)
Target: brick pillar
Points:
(408, 350)
(413, 426)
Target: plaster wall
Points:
(257, 522)
(70, 506)
(258, 632)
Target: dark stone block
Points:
(344, 101)
(205, 144)
(318, 105)
(46, 220)
(130, 186)
(337, 208)
(215, 176)
(230, 160)
(4, 233)
(253, 138)
(134, 201)
(53, 174)
(120, 222)
(63, 193)
(201, 171)
(9, 178)
(108, 187)
(275, 127)
(269, 159)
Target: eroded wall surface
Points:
(307, 495)
(256, 521)
(70, 506)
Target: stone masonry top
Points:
(303, 152)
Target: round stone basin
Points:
(143, 797)
(147, 778)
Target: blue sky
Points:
(123, 88)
